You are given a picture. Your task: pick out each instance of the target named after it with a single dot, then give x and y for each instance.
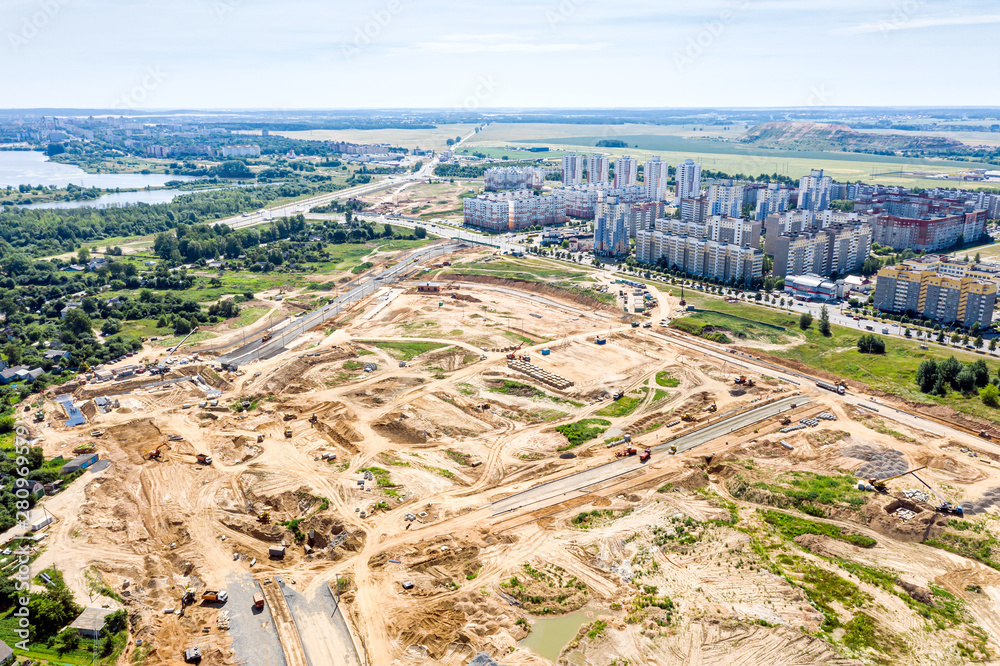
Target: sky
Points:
(335, 54)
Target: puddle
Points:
(549, 635)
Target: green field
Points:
(405, 351)
(892, 372)
(715, 149)
(531, 270)
(248, 316)
(435, 137)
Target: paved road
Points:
(255, 639)
(574, 485)
(322, 627)
(287, 334)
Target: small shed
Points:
(429, 288)
(80, 462)
(276, 552)
(91, 621)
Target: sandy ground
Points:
(436, 460)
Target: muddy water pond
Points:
(549, 635)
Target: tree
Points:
(940, 337)
(824, 322)
(966, 380)
(979, 342)
(805, 320)
(871, 344)
(990, 395)
(977, 258)
(83, 255)
(77, 322)
(927, 375)
(420, 232)
(993, 344)
(111, 326)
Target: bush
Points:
(990, 395)
(871, 344)
(805, 320)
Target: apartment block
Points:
(695, 209)
(929, 233)
(932, 295)
(572, 170)
(581, 200)
(688, 181)
(715, 249)
(626, 171)
(657, 175)
(241, 151)
(725, 199)
(815, 190)
(611, 233)
(771, 200)
(513, 178)
(840, 248)
(514, 210)
(598, 167)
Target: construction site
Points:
(454, 470)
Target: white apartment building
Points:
(581, 200)
(513, 178)
(772, 200)
(514, 210)
(814, 191)
(657, 175)
(241, 151)
(598, 167)
(703, 249)
(726, 199)
(688, 179)
(572, 170)
(626, 171)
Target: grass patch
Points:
(406, 351)
(459, 457)
(621, 407)
(582, 431)
(362, 267)
(510, 387)
(805, 491)
(547, 591)
(659, 395)
(981, 548)
(664, 378)
(247, 316)
(597, 517)
(792, 526)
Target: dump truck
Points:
(258, 600)
(624, 453)
(203, 459)
(673, 450)
(646, 454)
(220, 596)
(618, 395)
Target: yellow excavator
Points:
(882, 485)
(264, 516)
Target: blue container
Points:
(546, 352)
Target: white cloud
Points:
(903, 21)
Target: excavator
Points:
(513, 355)
(264, 517)
(945, 506)
(882, 485)
(156, 454)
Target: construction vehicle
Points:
(711, 408)
(513, 355)
(220, 596)
(188, 597)
(313, 419)
(742, 379)
(945, 506)
(882, 485)
(258, 600)
(618, 395)
(645, 455)
(156, 454)
(786, 420)
(203, 459)
(840, 387)
(624, 453)
(635, 324)
(673, 450)
(984, 434)
(688, 418)
(526, 358)
(39, 416)
(683, 302)
(288, 433)
(267, 336)
(260, 438)
(162, 367)
(264, 517)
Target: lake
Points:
(30, 167)
(117, 199)
(549, 635)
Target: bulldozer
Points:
(688, 418)
(157, 453)
(288, 433)
(785, 420)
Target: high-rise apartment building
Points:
(715, 249)
(771, 200)
(657, 175)
(598, 167)
(626, 171)
(514, 210)
(725, 198)
(611, 229)
(941, 298)
(695, 209)
(513, 178)
(839, 248)
(688, 181)
(814, 191)
(572, 169)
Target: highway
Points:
(573, 485)
(257, 349)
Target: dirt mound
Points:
(536, 288)
(249, 526)
(295, 376)
(437, 628)
(824, 546)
